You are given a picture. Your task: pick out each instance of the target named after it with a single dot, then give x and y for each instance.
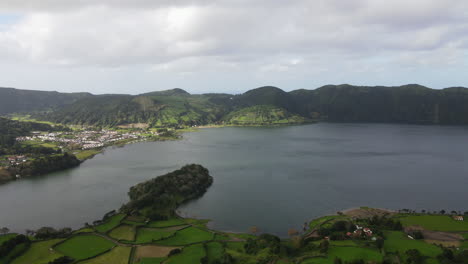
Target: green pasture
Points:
(84, 246)
(187, 236)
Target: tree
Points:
(4, 230)
(417, 234)
(175, 251)
(324, 247)
(414, 256)
(442, 211)
(30, 232)
(379, 243)
(62, 260)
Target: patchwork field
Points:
(118, 255)
(187, 236)
(148, 235)
(144, 243)
(167, 223)
(84, 246)
(190, 254)
(123, 232)
(39, 252)
(399, 242)
(354, 253)
(152, 251)
(435, 222)
(111, 223)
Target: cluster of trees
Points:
(384, 222)
(47, 164)
(16, 101)
(6, 249)
(265, 241)
(225, 258)
(62, 260)
(337, 230)
(450, 257)
(50, 232)
(158, 198)
(253, 246)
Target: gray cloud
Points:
(297, 37)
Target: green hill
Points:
(337, 103)
(16, 101)
(262, 115)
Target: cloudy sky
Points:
(135, 46)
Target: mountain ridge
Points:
(410, 103)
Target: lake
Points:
(275, 178)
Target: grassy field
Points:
(167, 223)
(187, 236)
(123, 232)
(219, 237)
(348, 243)
(4, 238)
(236, 246)
(137, 219)
(132, 223)
(353, 253)
(190, 254)
(118, 255)
(435, 222)
(87, 154)
(316, 222)
(111, 223)
(84, 246)
(151, 254)
(398, 241)
(39, 253)
(214, 251)
(27, 118)
(346, 254)
(147, 235)
(134, 220)
(39, 143)
(84, 230)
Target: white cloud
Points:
(268, 36)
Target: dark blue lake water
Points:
(274, 178)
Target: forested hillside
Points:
(17, 101)
(269, 105)
(159, 197)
